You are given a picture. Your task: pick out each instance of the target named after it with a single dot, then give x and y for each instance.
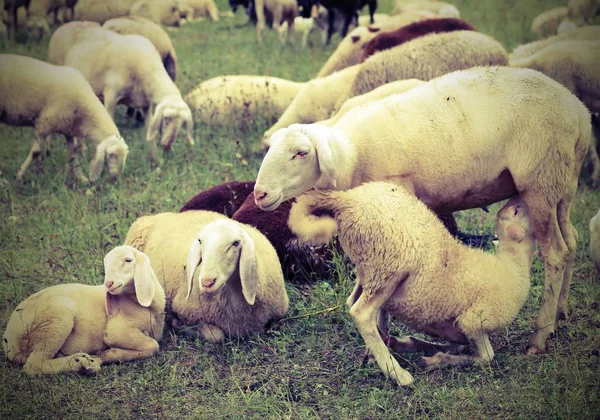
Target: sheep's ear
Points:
(515, 232)
(320, 141)
(143, 279)
(155, 121)
(97, 163)
(194, 258)
(111, 304)
(248, 274)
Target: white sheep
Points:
(574, 64)
(440, 8)
(463, 140)
(303, 26)
(199, 9)
(546, 23)
(275, 11)
(102, 10)
(595, 240)
(58, 100)
(72, 327)
(591, 33)
(237, 288)
(163, 12)
(415, 270)
(137, 25)
(125, 69)
(423, 58)
(240, 99)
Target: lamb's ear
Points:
(97, 163)
(155, 121)
(515, 232)
(111, 304)
(143, 279)
(248, 273)
(194, 258)
(320, 138)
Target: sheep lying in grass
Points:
(125, 69)
(162, 12)
(102, 10)
(43, 96)
(136, 25)
(423, 58)
(238, 287)
(580, 13)
(417, 272)
(438, 7)
(76, 327)
(483, 118)
(238, 100)
(199, 9)
(591, 33)
(546, 23)
(595, 240)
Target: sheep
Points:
(3, 34)
(574, 64)
(438, 7)
(423, 58)
(580, 13)
(416, 271)
(137, 25)
(275, 11)
(546, 23)
(102, 10)
(125, 69)
(240, 99)
(42, 8)
(236, 290)
(37, 27)
(44, 96)
(508, 128)
(78, 327)
(304, 26)
(163, 12)
(12, 7)
(584, 33)
(595, 240)
(387, 40)
(199, 9)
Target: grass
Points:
(307, 365)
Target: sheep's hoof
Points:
(533, 350)
(432, 362)
(403, 378)
(88, 364)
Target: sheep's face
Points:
(290, 167)
(170, 116)
(37, 27)
(119, 270)
(111, 152)
(173, 16)
(512, 222)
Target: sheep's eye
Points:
(199, 241)
(128, 260)
(236, 243)
(300, 153)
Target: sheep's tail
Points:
(312, 218)
(138, 233)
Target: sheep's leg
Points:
(570, 237)
(38, 364)
(110, 102)
(213, 12)
(364, 313)
(593, 155)
(330, 25)
(290, 32)
(131, 344)
(208, 332)
(410, 344)
(356, 292)
(34, 153)
(484, 353)
(349, 18)
(372, 6)
(74, 146)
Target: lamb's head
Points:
(37, 27)
(170, 114)
(127, 271)
(299, 157)
(226, 251)
(111, 152)
(512, 222)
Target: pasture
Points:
(308, 364)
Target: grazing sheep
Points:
(199, 9)
(240, 285)
(387, 40)
(274, 12)
(303, 26)
(574, 64)
(595, 240)
(423, 58)
(512, 131)
(102, 10)
(37, 27)
(126, 69)
(438, 7)
(77, 327)
(137, 25)
(591, 33)
(238, 100)
(43, 96)
(12, 8)
(42, 8)
(546, 24)
(163, 12)
(417, 272)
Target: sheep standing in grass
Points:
(77, 327)
(464, 140)
(414, 270)
(595, 240)
(440, 8)
(58, 100)
(199, 9)
(275, 12)
(219, 275)
(125, 69)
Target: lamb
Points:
(546, 24)
(595, 240)
(125, 69)
(77, 327)
(440, 8)
(591, 33)
(507, 128)
(237, 289)
(418, 273)
(574, 64)
(423, 58)
(136, 25)
(580, 13)
(303, 26)
(239, 100)
(387, 40)
(199, 9)
(163, 12)
(43, 96)
(275, 11)
(102, 10)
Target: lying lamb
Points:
(43, 96)
(125, 69)
(237, 288)
(417, 272)
(467, 139)
(77, 327)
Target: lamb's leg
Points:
(38, 363)
(570, 237)
(484, 353)
(208, 332)
(330, 25)
(110, 101)
(347, 22)
(372, 6)
(290, 32)
(34, 153)
(593, 153)
(213, 12)
(128, 344)
(410, 344)
(74, 146)
(356, 292)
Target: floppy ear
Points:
(515, 232)
(111, 304)
(143, 279)
(97, 163)
(194, 258)
(248, 274)
(320, 139)
(156, 121)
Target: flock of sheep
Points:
(414, 116)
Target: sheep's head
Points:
(173, 14)
(224, 248)
(168, 118)
(111, 152)
(37, 27)
(512, 222)
(127, 271)
(299, 157)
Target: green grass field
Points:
(307, 365)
